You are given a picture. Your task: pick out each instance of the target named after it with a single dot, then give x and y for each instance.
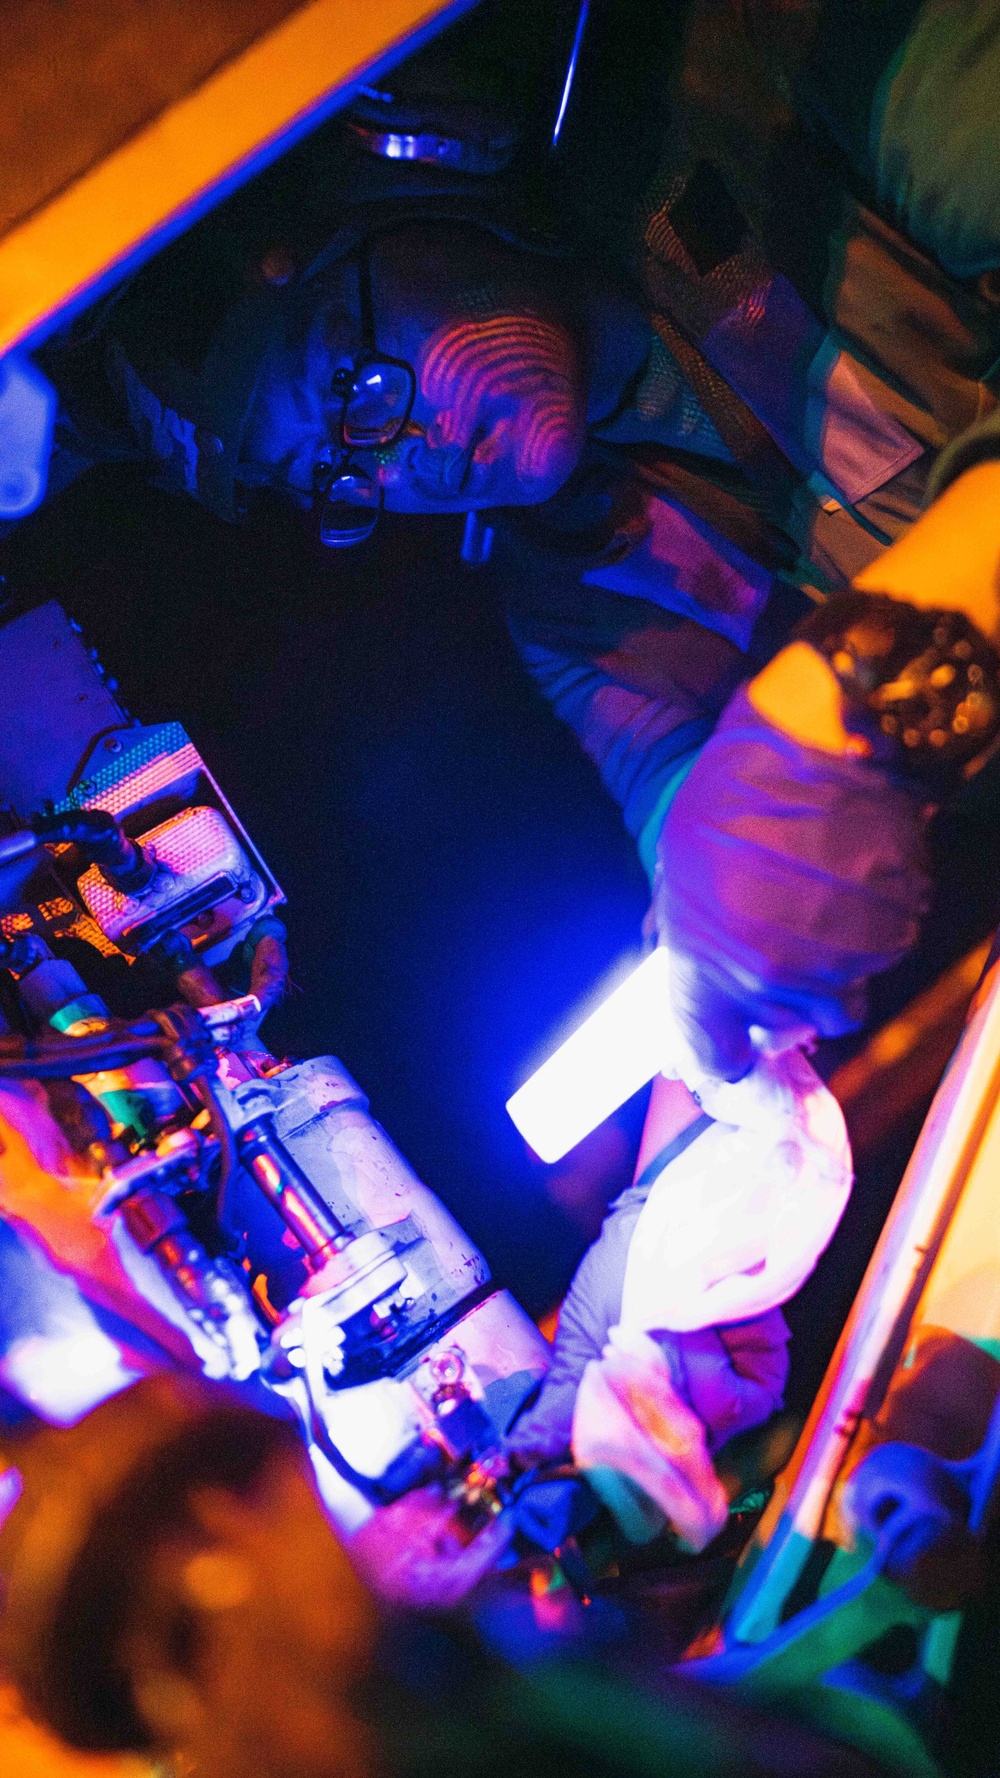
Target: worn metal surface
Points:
(121, 123)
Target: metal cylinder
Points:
(284, 1184)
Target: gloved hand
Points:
(786, 877)
(733, 1377)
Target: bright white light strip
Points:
(608, 1058)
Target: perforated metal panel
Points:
(147, 762)
(54, 702)
(196, 850)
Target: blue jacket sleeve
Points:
(640, 686)
(641, 671)
(640, 743)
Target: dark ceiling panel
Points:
(81, 76)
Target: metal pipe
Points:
(284, 1185)
(574, 57)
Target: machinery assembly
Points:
(292, 1241)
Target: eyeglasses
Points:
(373, 396)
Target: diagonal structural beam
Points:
(82, 235)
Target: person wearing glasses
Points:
(429, 371)
(673, 505)
(682, 466)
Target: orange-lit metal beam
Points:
(154, 183)
(938, 1258)
(901, 1066)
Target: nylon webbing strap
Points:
(651, 1173)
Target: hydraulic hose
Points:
(269, 965)
(121, 861)
(24, 1060)
(221, 1130)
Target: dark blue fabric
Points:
(550, 1511)
(636, 741)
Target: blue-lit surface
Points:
(574, 57)
(27, 417)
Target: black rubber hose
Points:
(121, 861)
(219, 1125)
(77, 1056)
(269, 969)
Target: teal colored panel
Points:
(935, 139)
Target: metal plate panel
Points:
(149, 180)
(53, 704)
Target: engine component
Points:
(197, 872)
(401, 1310)
(297, 1246)
(69, 750)
(139, 1098)
(284, 1185)
(122, 863)
(209, 1290)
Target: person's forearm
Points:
(672, 1109)
(636, 741)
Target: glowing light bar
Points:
(614, 1052)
